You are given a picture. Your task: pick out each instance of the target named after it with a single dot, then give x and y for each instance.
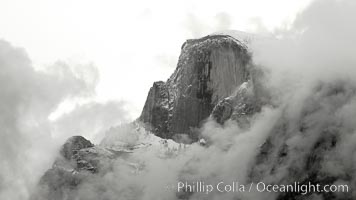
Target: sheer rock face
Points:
(209, 69)
(155, 111)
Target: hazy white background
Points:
(132, 43)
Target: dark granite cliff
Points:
(209, 69)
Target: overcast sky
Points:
(132, 43)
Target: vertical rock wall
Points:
(209, 69)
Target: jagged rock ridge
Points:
(78, 158)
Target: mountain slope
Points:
(239, 129)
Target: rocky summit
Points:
(209, 70)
